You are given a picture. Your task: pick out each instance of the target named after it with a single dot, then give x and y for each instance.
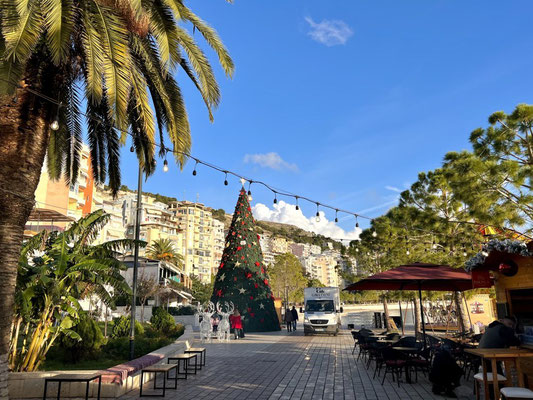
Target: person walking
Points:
(294, 317)
(288, 319)
(236, 324)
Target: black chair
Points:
(422, 362)
(408, 341)
(394, 362)
(393, 336)
(355, 336)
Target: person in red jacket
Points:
(236, 324)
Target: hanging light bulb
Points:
(357, 249)
(132, 149)
(165, 165)
(54, 125)
(250, 198)
(297, 206)
(317, 219)
(356, 222)
(336, 218)
(275, 198)
(434, 245)
(407, 252)
(243, 181)
(484, 253)
(374, 234)
(226, 179)
(194, 170)
(464, 254)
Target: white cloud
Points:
(270, 160)
(287, 214)
(329, 32)
(393, 189)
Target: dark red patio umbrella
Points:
(417, 276)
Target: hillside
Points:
(287, 231)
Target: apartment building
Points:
(268, 255)
(322, 267)
(196, 222)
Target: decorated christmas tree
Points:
(242, 277)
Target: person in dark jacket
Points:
(288, 319)
(294, 317)
(499, 335)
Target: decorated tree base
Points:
(242, 277)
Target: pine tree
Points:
(242, 277)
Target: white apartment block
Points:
(218, 244)
(196, 222)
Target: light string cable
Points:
(227, 172)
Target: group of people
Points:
(235, 321)
(291, 317)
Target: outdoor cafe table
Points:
(495, 355)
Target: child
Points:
(236, 324)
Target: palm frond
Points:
(94, 54)
(163, 28)
(210, 35)
(58, 19)
(21, 29)
(116, 61)
(201, 66)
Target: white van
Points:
(322, 313)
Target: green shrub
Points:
(121, 327)
(91, 339)
(162, 320)
(183, 310)
(118, 347)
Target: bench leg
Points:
(164, 383)
(87, 391)
(59, 390)
(142, 381)
(99, 386)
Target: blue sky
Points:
(355, 97)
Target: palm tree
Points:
(163, 250)
(54, 272)
(114, 58)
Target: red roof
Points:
(414, 276)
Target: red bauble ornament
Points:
(258, 237)
(266, 282)
(249, 208)
(219, 292)
(251, 297)
(257, 263)
(235, 279)
(252, 314)
(242, 222)
(221, 266)
(249, 309)
(262, 270)
(233, 233)
(239, 248)
(256, 285)
(248, 275)
(242, 257)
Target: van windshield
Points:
(319, 306)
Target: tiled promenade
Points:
(290, 366)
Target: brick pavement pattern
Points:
(281, 366)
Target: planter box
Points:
(116, 381)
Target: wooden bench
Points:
(155, 369)
(198, 350)
(87, 378)
(186, 359)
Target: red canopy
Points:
(417, 276)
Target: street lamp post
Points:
(136, 263)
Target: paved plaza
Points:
(290, 366)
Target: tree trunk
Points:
(418, 320)
(388, 325)
(23, 142)
(462, 313)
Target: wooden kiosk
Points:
(510, 264)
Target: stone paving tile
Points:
(281, 366)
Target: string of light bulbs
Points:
(276, 191)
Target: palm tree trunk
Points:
(388, 325)
(462, 313)
(23, 142)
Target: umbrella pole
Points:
(422, 312)
(401, 318)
